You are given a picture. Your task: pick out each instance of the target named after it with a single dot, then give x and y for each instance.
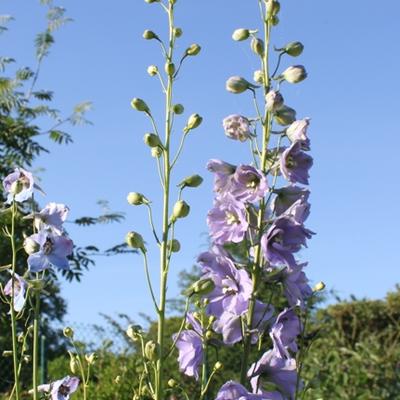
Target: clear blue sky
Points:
(351, 54)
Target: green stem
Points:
(13, 316)
(36, 322)
(204, 372)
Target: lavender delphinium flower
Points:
(237, 127)
(190, 347)
(273, 368)
(282, 239)
(287, 196)
(227, 220)
(223, 174)
(299, 211)
(20, 286)
(52, 216)
(232, 390)
(297, 131)
(54, 250)
(248, 184)
(295, 284)
(19, 185)
(61, 389)
(295, 164)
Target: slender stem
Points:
(83, 375)
(152, 223)
(13, 316)
(204, 372)
(36, 322)
(146, 269)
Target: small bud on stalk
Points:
(193, 50)
(218, 366)
(152, 70)
(140, 105)
(193, 122)
(294, 74)
(169, 68)
(257, 45)
(73, 363)
(133, 332)
(68, 332)
(319, 287)
(191, 181)
(149, 35)
(136, 199)
(31, 246)
(274, 100)
(201, 287)
(152, 1)
(91, 358)
(181, 210)
(178, 109)
(7, 353)
(156, 152)
(294, 49)
(178, 32)
(258, 76)
(135, 240)
(174, 245)
(238, 85)
(117, 379)
(172, 383)
(240, 34)
(273, 8)
(152, 140)
(151, 350)
(285, 116)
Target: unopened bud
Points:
(209, 334)
(193, 122)
(294, 49)
(117, 379)
(212, 319)
(133, 332)
(151, 350)
(152, 1)
(274, 100)
(191, 181)
(156, 152)
(149, 35)
(178, 32)
(31, 246)
(152, 70)
(169, 68)
(257, 45)
(193, 50)
(294, 74)
(7, 353)
(135, 240)
(91, 358)
(237, 85)
(136, 199)
(172, 383)
(285, 116)
(21, 337)
(240, 34)
(140, 105)
(319, 287)
(73, 363)
(181, 210)
(27, 359)
(174, 245)
(152, 140)
(258, 76)
(178, 109)
(68, 332)
(218, 366)
(274, 20)
(273, 8)
(203, 286)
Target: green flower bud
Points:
(193, 50)
(193, 122)
(178, 32)
(209, 334)
(169, 68)
(218, 366)
(240, 34)
(273, 8)
(117, 379)
(140, 105)
(73, 363)
(135, 240)
(172, 383)
(152, 1)
(27, 359)
(152, 140)
(68, 332)
(274, 20)
(174, 245)
(156, 152)
(237, 85)
(212, 319)
(257, 45)
(258, 76)
(151, 350)
(294, 74)
(133, 332)
(191, 181)
(7, 353)
(319, 287)
(91, 358)
(202, 287)
(181, 210)
(31, 246)
(294, 49)
(285, 116)
(152, 70)
(178, 109)
(149, 35)
(136, 199)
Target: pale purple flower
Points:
(232, 390)
(237, 127)
(283, 238)
(19, 185)
(295, 164)
(233, 286)
(20, 286)
(297, 131)
(190, 346)
(299, 211)
(295, 284)
(227, 220)
(288, 195)
(284, 332)
(223, 174)
(52, 216)
(248, 184)
(273, 368)
(61, 389)
(54, 250)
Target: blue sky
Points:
(352, 60)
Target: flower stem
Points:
(35, 366)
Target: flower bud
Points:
(140, 105)
(218, 366)
(149, 35)
(135, 240)
(181, 210)
(237, 85)
(285, 116)
(7, 353)
(193, 122)
(151, 350)
(178, 109)
(193, 50)
(27, 359)
(257, 45)
(152, 1)
(274, 20)
(203, 286)
(136, 199)
(152, 140)
(20, 337)
(31, 246)
(117, 379)
(133, 332)
(240, 34)
(152, 70)
(172, 383)
(273, 8)
(209, 334)
(258, 76)
(73, 363)
(16, 187)
(294, 74)
(212, 319)
(68, 332)
(274, 100)
(156, 152)
(169, 68)
(178, 32)
(174, 245)
(191, 181)
(319, 287)
(294, 49)
(90, 358)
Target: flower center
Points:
(231, 218)
(290, 162)
(47, 247)
(63, 390)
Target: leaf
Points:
(60, 137)
(4, 61)
(43, 42)
(45, 95)
(24, 74)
